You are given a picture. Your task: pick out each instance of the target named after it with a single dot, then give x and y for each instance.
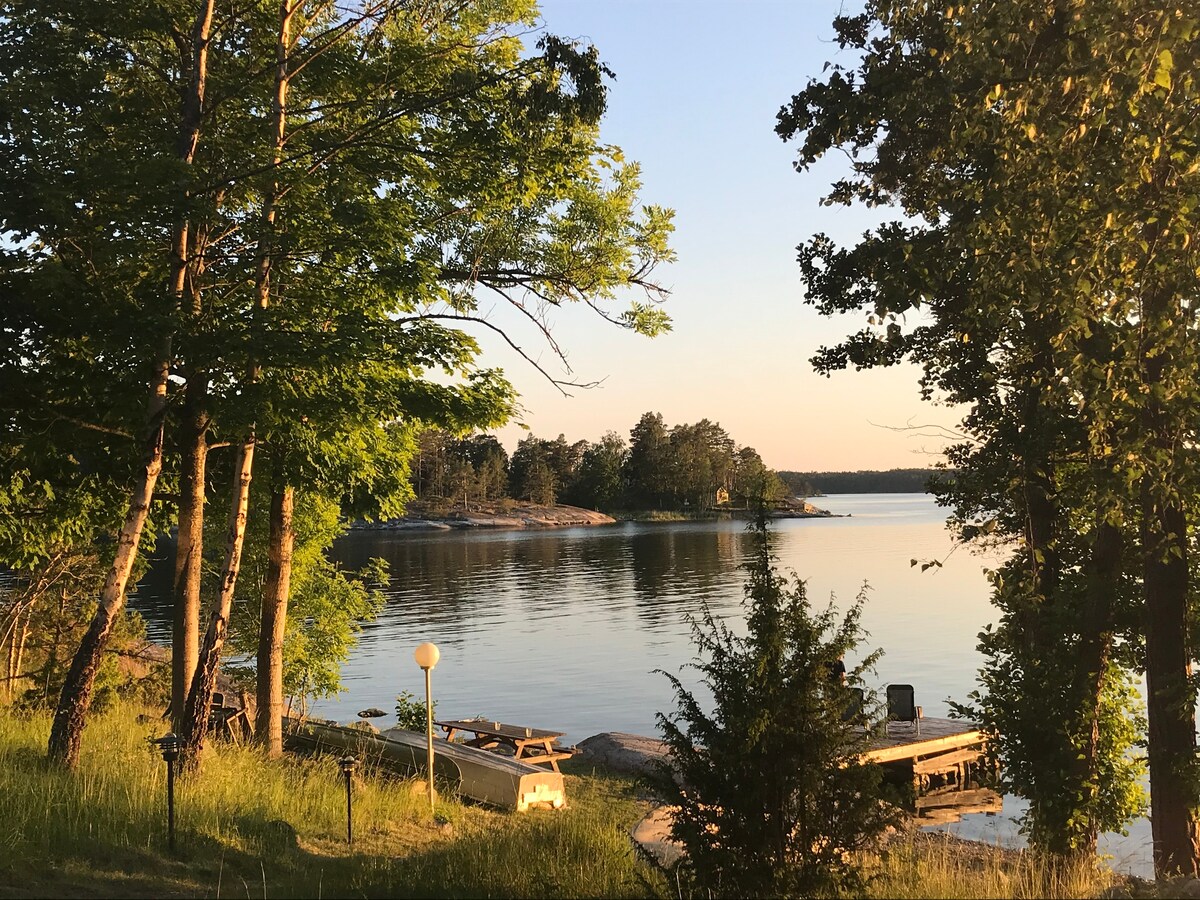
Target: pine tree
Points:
(770, 801)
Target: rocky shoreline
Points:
(531, 515)
(511, 515)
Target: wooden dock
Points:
(947, 755)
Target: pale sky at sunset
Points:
(698, 87)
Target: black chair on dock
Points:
(902, 706)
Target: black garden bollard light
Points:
(169, 745)
(347, 764)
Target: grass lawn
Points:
(248, 827)
(253, 828)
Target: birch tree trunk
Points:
(76, 697)
(195, 720)
(204, 682)
(269, 727)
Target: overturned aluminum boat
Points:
(476, 774)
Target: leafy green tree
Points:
(533, 474)
(430, 462)
(771, 799)
(1029, 699)
(538, 114)
(1036, 151)
(489, 464)
(342, 187)
(751, 478)
(702, 462)
(59, 61)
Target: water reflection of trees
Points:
(676, 568)
(435, 579)
(457, 577)
(450, 581)
(451, 578)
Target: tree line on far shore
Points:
(892, 481)
(660, 467)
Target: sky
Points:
(698, 86)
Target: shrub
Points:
(770, 799)
(410, 712)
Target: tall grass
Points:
(252, 827)
(935, 866)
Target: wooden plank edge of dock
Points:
(913, 749)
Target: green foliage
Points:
(649, 468)
(771, 801)
(539, 468)
(411, 712)
(599, 479)
(1029, 704)
(327, 606)
(682, 468)
(1039, 271)
(42, 632)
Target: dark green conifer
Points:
(770, 802)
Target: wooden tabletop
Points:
(499, 729)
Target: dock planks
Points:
(944, 759)
(937, 736)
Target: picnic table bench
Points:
(529, 745)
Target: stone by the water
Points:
(632, 754)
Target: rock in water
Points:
(632, 754)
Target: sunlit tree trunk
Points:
(204, 682)
(76, 696)
(269, 729)
(189, 548)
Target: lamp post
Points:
(427, 656)
(347, 764)
(169, 745)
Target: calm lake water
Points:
(564, 628)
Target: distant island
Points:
(512, 514)
(669, 469)
(892, 481)
(501, 514)
(660, 472)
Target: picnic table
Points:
(529, 745)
